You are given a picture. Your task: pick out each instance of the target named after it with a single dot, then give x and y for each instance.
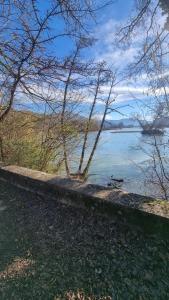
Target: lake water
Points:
(122, 155)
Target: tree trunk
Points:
(86, 169)
(2, 150)
(88, 124)
(63, 112)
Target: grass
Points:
(48, 250)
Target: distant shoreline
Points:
(125, 131)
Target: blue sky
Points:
(129, 93)
(120, 10)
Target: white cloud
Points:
(118, 58)
(107, 36)
(99, 116)
(106, 47)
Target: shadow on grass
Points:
(47, 249)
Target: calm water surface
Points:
(122, 155)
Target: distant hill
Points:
(122, 123)
(76, 120)
(130, 122)
(39, 121)
(162, 122)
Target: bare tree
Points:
(99, 80)
(76, 72)
(150, 119)
(150, 22)
(107, 106)
(102, 91)
(26, 62)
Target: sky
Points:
(130, 93)
(117, 12)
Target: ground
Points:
(48, 249)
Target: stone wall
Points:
(150, 214)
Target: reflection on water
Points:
(123, 155)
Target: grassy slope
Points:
(47, 249)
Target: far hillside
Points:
(162, 122)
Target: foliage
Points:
(33, 140)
